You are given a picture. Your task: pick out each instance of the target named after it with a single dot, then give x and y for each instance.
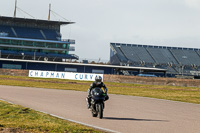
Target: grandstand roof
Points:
(154, 46)
(37, 21)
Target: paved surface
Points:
(126, 114)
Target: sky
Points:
(99, 22)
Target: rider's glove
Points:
(106, 97)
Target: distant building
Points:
(176, 60)
(33, 44)
(33, 39)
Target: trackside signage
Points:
(63, 75)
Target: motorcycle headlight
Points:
(97, 94)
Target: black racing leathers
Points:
(93, 85)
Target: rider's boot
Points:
(88, 102)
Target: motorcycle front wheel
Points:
(100, 109)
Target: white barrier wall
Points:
(63, 75)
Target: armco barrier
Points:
(124, 79)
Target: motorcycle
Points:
(97, 102)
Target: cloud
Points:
(193, 4)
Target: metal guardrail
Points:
(68, 40)
(71, 48)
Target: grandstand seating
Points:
(34, 33)
(177, 60)
(23, 32)
(129, 54)
(120, 54)
(51, 34)
(143, 54)
(7, 29)
(162, 55)
(34, 39)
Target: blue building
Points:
(33, 39)
(33, 44)
(176, 60)
(76, 67)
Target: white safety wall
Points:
(63, 75)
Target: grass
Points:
(183, 94)
(175, 93)
(19, 118)
(22, 119)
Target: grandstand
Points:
(33, 44)
(33, 39)
(177, 60)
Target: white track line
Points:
(88, 125)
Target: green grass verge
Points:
(175, 93)
(20, 119)
(17, 117)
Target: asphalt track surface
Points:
(126, 114)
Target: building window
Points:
(11, 66)
(98, 71)
(71, 69)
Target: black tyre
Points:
(100, 111)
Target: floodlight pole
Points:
(49, 12)
(15, 11)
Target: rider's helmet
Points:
(98, 80)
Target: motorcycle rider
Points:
(97, 83)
